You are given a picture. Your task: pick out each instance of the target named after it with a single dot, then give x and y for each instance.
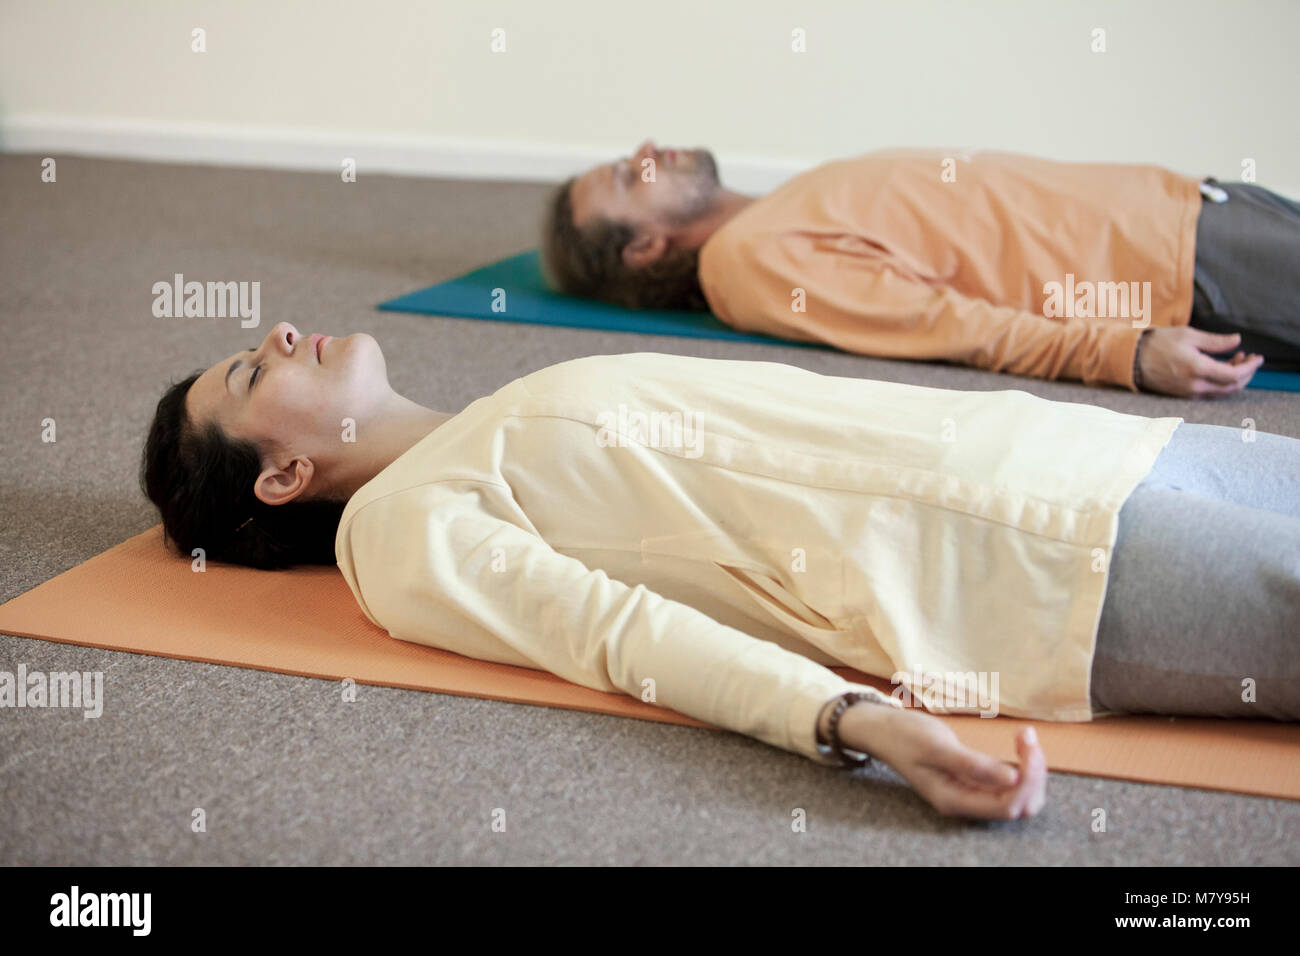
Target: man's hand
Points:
(1173, 361)
(954, 778)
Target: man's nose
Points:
(646, 150)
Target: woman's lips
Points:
(320, 346)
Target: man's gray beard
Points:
(705, 196)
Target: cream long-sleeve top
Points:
(711, 535)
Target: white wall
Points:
(414, 87)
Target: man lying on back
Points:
(1106, 273)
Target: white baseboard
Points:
(319, 151)
(312, 150)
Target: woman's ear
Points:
(278, 486)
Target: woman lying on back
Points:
(711, 535)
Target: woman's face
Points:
(290, 400)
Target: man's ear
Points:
(645, 250)
(278, 486)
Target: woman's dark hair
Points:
(589, 262)
(202, 482)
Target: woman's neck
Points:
(401, 424)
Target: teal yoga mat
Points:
(525, 297)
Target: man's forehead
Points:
(587, 190)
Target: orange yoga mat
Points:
(140, 597)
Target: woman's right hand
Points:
(954, 778)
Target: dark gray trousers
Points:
(1203, 600)
(1248, 272)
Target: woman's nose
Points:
(646, 149)
(285, 333)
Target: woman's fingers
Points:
(982, 770)
(960, 781)
(1033, 769)
(964, 784)
(955, 798)
(1033, 777)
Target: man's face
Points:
(290, 393)
(684, 187)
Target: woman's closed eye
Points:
(254, 377)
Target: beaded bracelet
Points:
(836, 746)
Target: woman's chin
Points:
(359, 346)
(362, 352)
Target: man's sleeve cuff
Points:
(1120, 350)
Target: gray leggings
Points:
(1204, 588)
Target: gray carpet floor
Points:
(285, 772)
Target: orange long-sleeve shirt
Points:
(996, 260)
